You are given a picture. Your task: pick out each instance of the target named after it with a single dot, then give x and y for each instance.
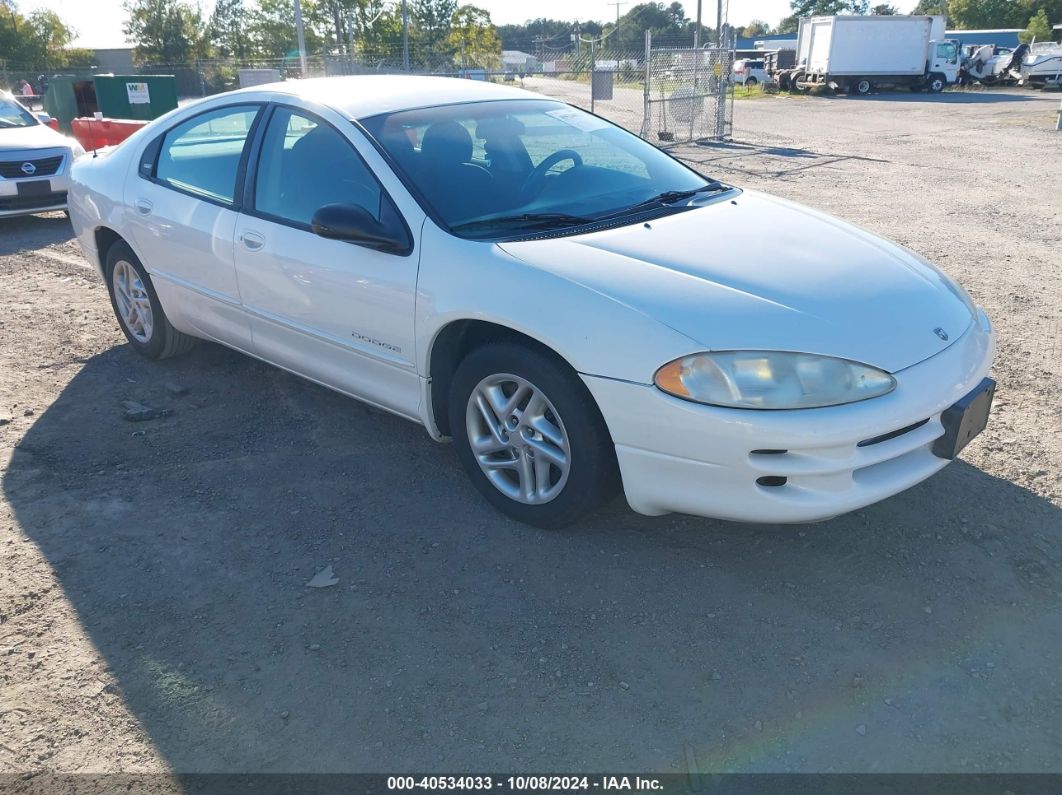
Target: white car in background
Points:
(35, 162)
(576, 309)
(749, 73)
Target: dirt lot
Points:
(154, 613)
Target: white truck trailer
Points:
(857, 53)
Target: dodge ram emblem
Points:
(941, 333)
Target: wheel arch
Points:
(455, 340)
(105, 237)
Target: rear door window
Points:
(202, 155)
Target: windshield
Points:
(14, 115)
(496, 168)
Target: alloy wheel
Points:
(518, 439)
(132, 300)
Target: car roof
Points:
(362, 96)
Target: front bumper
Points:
(54, 197)
(787, 466)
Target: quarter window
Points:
(306, 164)
(202, 155)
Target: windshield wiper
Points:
(526, 221)
(668, 197)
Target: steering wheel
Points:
(532, 185)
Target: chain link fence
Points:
(667, 94)
(687, 94)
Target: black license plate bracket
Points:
(964, 420)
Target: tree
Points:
(39, 42)
(678, 14)
(376, 26)
(661, 20)
(817, 8)
(884, 10)
(756, 27)
(431, 26)
(474, 38)
(931, 7)
(789, 24)
(165, 31)
(272, 29)
(227, 30)
(46, 37)
(1039, 29)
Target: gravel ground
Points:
(154, 612)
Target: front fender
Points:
(596, 334)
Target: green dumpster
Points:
(115, 96)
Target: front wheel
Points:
(935, 84)
(530, 436)
(752, 82)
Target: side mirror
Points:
(44, 118)
(355, 224)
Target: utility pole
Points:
(405, 36)
(538, 41)
(718, 23)
(697, 28)
(301, 34)
(617, 5)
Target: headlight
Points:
(771, 380)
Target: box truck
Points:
(857, 53)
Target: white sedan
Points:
(35, 162)
(575, 308)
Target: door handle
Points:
(252, 241)
(143, 206)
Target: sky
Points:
(99, 22)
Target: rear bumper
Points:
(787, 466)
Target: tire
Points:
(129, 284)
(752, 82)
(553, 417)
(935, 83)
(862, 87)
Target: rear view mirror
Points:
(355, 224)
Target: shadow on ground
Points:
(32, 232)
(969, 97)
(972, 97)
(759, 160)
(456, 640)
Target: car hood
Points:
(19, 139)
(748, 271)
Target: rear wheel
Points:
(530, 436)
(862, 87)
(137, 307)
(752, 82)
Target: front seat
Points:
(322, 168)
(450, 179)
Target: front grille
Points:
(32, 202)
(45, 167)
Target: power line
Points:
(617, 5)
